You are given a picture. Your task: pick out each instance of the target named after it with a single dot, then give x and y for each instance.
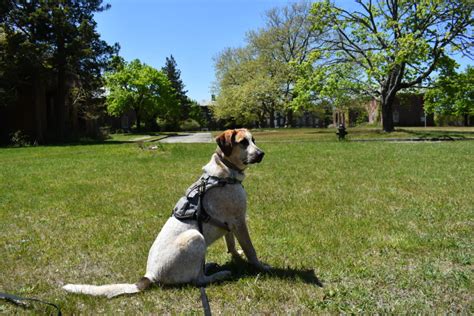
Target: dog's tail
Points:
(109, 290)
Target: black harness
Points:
(190, 206)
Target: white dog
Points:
(178, 253)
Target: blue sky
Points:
(193, 31)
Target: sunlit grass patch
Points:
(288, 135)
(386, 227)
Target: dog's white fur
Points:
(179, 250)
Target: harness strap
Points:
(202, 215)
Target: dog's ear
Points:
(226, 141)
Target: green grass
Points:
(363, 133)
(386, 227)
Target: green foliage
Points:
(196, 113)
(20, 139)
(141, 88)
(452, 94)
(319, 84)
(386, 46)
(250, 87)
(174, 74)
(256, 81)
(53, 45)
(49, 35)
(189, 125)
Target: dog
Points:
(178, 252)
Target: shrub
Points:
(189, 125)
(166, 125)
(19, 139)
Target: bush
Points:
(189, 125)
(167, 125)
(19, 139)
(448, 120)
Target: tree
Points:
(141, 88)
(249, 87)
(51, 41)
(397, 44)
(288, 39)
(452, 94)
(174, 74)
(257, 81)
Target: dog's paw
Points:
(225, 274)
(211, 267)
(262, 266)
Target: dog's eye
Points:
(253, 140)
(244, 142)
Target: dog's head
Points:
(238, 147)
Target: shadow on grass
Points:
(154, 137)
(71, 144)
(437, 134)
(240, 269)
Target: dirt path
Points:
(189, 138)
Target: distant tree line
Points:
(313, 55)
(50, 50)
(60, 80)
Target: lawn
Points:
(382, 226)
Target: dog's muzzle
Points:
(259, 156)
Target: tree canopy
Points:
(312, 55)
(452, 94)
(390, 44)
(55, 43)
(174, 76)
(257, 81)
(141, 88)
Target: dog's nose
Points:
(260, 155)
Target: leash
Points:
(200, 214)
(205, 302)
(190, 207)
(19, 301)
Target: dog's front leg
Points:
(243, 236)
(230, 242)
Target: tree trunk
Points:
(61, 90)
(289, 118)
(261, 120)
(387, 112)
(272, 119)
(466, 119)
(388, 94)
(40, 108)
(138, 121)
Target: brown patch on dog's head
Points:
(229, 138)
(225, 141)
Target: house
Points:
(407, 110)
(209, 122)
